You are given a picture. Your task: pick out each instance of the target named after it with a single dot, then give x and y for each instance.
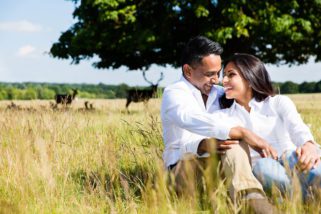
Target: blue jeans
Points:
(279, 173)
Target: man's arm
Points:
(178, 108)
(200, 145)
(182, 109)
(254, 141)
(211, 145)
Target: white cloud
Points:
(26, 50)
(20, 26)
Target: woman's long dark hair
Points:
(252, 70)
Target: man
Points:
(190, 121)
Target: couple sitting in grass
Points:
(260, 138)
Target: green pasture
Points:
(104, 160)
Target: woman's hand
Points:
(308, 156)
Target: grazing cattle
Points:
(66, 99)
(89, 106)
(142, 95)
(14, 106)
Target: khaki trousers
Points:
(191, 172)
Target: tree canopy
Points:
(138, 33)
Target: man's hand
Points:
(211, 145)
(254, 141)
(223, 145)
(308, 156)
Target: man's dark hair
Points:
(199, 47)
(252, 70)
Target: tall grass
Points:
(103, 160)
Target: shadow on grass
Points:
(142, 183)
(6, 207)
(121, 184)
(126, 184)
(130, 112)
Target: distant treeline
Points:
(30, 90)
(294, 88)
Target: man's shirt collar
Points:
(197, 93)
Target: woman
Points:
(275, 119)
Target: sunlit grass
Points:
(103, 160)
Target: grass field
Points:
(102, 160)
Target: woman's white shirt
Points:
(276, 120)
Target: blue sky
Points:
(28, 28)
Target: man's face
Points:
(205, 74)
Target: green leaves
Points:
(119, 11)
(201, 11)
(138, 33)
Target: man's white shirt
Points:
(186, 120)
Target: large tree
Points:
(138, 33)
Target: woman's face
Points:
(235, 86)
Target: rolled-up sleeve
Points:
(190, 144)
(177, 109)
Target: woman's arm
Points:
(298, 130)
(307, 149)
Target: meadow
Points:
(104, 160)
